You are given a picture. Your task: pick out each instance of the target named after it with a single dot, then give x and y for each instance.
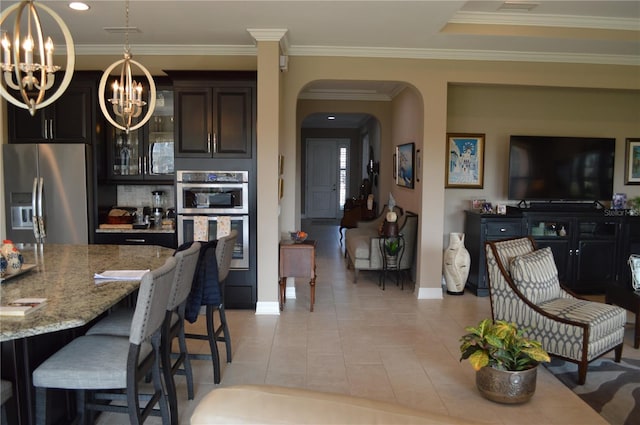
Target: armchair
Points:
(524, 289)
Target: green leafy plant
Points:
(500, 345)
(392, 246)
(634, 204)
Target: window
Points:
(343, 157)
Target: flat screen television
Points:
(545, 168)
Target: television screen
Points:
(561, 168)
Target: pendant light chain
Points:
(126, 26)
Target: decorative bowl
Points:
(299, 237)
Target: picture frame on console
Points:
(465, 160)
(632, 162)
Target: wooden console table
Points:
(355, 210)
(298, 260)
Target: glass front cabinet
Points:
(146, 153)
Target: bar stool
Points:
(100, 367)
(224, 254)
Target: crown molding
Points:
(462, 54)
(490, 18)
(279, 35)
(346, 95)
(377, 52)
(167, 50)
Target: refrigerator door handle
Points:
(43, 232)
(34, 212)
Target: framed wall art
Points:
(404, 165)
(632, 162)
(465, 160)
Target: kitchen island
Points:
(64, 275)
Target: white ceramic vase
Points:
(456, 264)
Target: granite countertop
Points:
(64, 275)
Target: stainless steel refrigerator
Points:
(46, 192)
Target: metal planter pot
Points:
(506, 386)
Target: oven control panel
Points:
(212, 176)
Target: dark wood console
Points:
(356, 210)
(590, 248)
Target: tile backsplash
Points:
(140, 195)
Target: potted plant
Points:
(391, 249)
(504, 359)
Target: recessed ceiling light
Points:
(331, 117)
(78, 5)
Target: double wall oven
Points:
(214, 194)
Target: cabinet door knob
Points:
(215, 143)
(502, 229)
(136, 240)
(51, 129)
(208, 142)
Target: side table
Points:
(297, 260)
(628, 299)
(391, 261)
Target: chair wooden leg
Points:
(167, 369)
(618, 353)
(215, 355)
(41, 406)
(225, 330)
(186, 362)
(167, 416)
(582, 372)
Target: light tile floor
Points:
(363, 341)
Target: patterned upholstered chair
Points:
(524, 289)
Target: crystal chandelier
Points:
(32, 77)
(126, 101)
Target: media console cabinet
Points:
(590, 248)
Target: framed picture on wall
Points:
(632, 162)
(465, 160)
(404, 165)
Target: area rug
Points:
(612, 389)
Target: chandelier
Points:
(126, 101)
(32, 76)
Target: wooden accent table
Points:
(628, 299)
(355, 210)
(297, 260)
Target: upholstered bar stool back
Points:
(119, 323)
(99, 367)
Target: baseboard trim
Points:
(430, 293)
(268, 307)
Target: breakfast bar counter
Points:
(64, 275)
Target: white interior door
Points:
(322, 178)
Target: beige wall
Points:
(407, 113)
(431, 80)
(500, 111)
